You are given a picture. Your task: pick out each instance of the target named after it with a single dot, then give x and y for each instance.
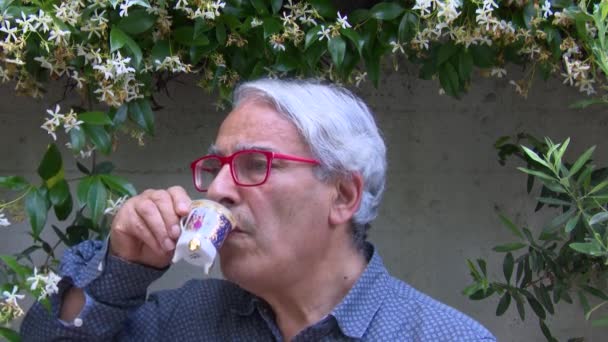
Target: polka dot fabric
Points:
(379, 307)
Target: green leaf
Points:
(160, 51)
(141, 113)
(220, 33)
(503, 304)
(276, 5)
(95, 118)
(520, 306)
(138, 21)
(22, 271)
(580, 162)
(535, 157)
(271, 26)
(598, 218)
(118, 39)
(509, 247)
(15, 183)
(260, 6)
(546, 331)
(59, 193)
(51, 163)
(120, 114)
(582, 104)
(536, 307)
(36, 209)
(465, 64)
(311, 36)
(386, 11)
(61, 235)
(483, 56)
(185, 36)
(598, 187)
(63, 210)
(446, 51)
(118, 185)
(325, 8)
(448, 77)
(337, 49)
(560, 220)
(553, 201)
(9, 334)
(595, 292)
(77, 139)
(589, 248)
(103, 167)
(529, 13)
(600, 322)
(507, 266)
(358, 16)
(83, 189)
(538, 174)
(99, 136)
(97, 198)
(407, 26)
(571, 224)
(354, 37)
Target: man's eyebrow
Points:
(213, 149)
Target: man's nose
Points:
(223, 188)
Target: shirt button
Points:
(100, 267)
(78, 322)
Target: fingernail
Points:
(175, 230)
(183, 207)
(168, 244)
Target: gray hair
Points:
(340, 130)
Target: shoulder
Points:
(413, 315)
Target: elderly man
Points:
(297, 265)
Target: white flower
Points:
(11, 297)
(10, 32)
(4, 222)
(180, 4)
(424, 6)
(79, 80)
(448, 9)
(324, 33)
(342, 21)
(55, 115)
(58, 35)
(586, 86)
(113, 206)
(36, 279)
(42, 19)
(26, 23)
(71, 121)
(304, 19)
(256, 22)
(498, 72)
(124, 8)
(420, 41)
(360, 77)
(52, 280)
(397, 46)
(546, 9)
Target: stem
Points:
(7, 204)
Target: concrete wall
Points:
(444, 188)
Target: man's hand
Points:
(146, 227)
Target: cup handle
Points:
(184, 220)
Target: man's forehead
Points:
(256, 125)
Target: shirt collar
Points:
(355, 312)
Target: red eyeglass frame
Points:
(270, 156)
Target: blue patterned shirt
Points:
(379, 307)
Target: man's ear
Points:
(349, 191)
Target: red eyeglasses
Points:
(247, 167)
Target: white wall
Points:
(444, 188)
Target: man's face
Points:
(282, 224)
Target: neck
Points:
(307, 300)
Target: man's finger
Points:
(150, 214)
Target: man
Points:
(297, 265)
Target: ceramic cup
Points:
(203, 233)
